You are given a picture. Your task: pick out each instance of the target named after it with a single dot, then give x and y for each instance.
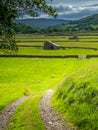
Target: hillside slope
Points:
(87, 23)
(77, 97)
(88, 20)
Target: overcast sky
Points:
(73, 9)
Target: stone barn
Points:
(73, 37)
(51, 46)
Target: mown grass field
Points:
(33, 45)
(40, 51)
(61, 40)
(86, 41)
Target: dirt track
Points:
(6, 114)
(51, 118)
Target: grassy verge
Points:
(77, 97)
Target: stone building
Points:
(51, 46)
(73, 37)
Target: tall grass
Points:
(77, 97)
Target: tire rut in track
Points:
(7, 113)
(50, 117)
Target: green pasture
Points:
(85, 40)
(31, 37)
(75, 81)
(27, 42)
(32, 77)
(78, 44)
(30, 43)
(19, 77)
(62, 52)
(93, 44)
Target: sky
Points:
(72, 9)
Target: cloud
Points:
(62, 7)
(72, 9)
(75, 12)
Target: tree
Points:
(11, 9)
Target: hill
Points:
(88, 20)
(89, 23)
(77, 97)
(42, 23)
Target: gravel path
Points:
(6, 114)
(51, 118)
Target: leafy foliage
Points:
(8, 43)
(10, 9)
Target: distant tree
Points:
(11, 9)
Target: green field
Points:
(40, 51)
(33, 45)
(31, 77)
(85, 41)
(75, 82)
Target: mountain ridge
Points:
(91, 19)
(42, 22)
(89, 23)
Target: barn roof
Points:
(53, 43)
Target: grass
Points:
(62, 41)
(59, 39)
(41, 51)
(85, 40)
(31, 43)
(65, 44)
(68, 51)
(27, 116)
(78, 44)
(33, 77)
(77, 97)
(31, 74)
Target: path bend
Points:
(7, 113)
